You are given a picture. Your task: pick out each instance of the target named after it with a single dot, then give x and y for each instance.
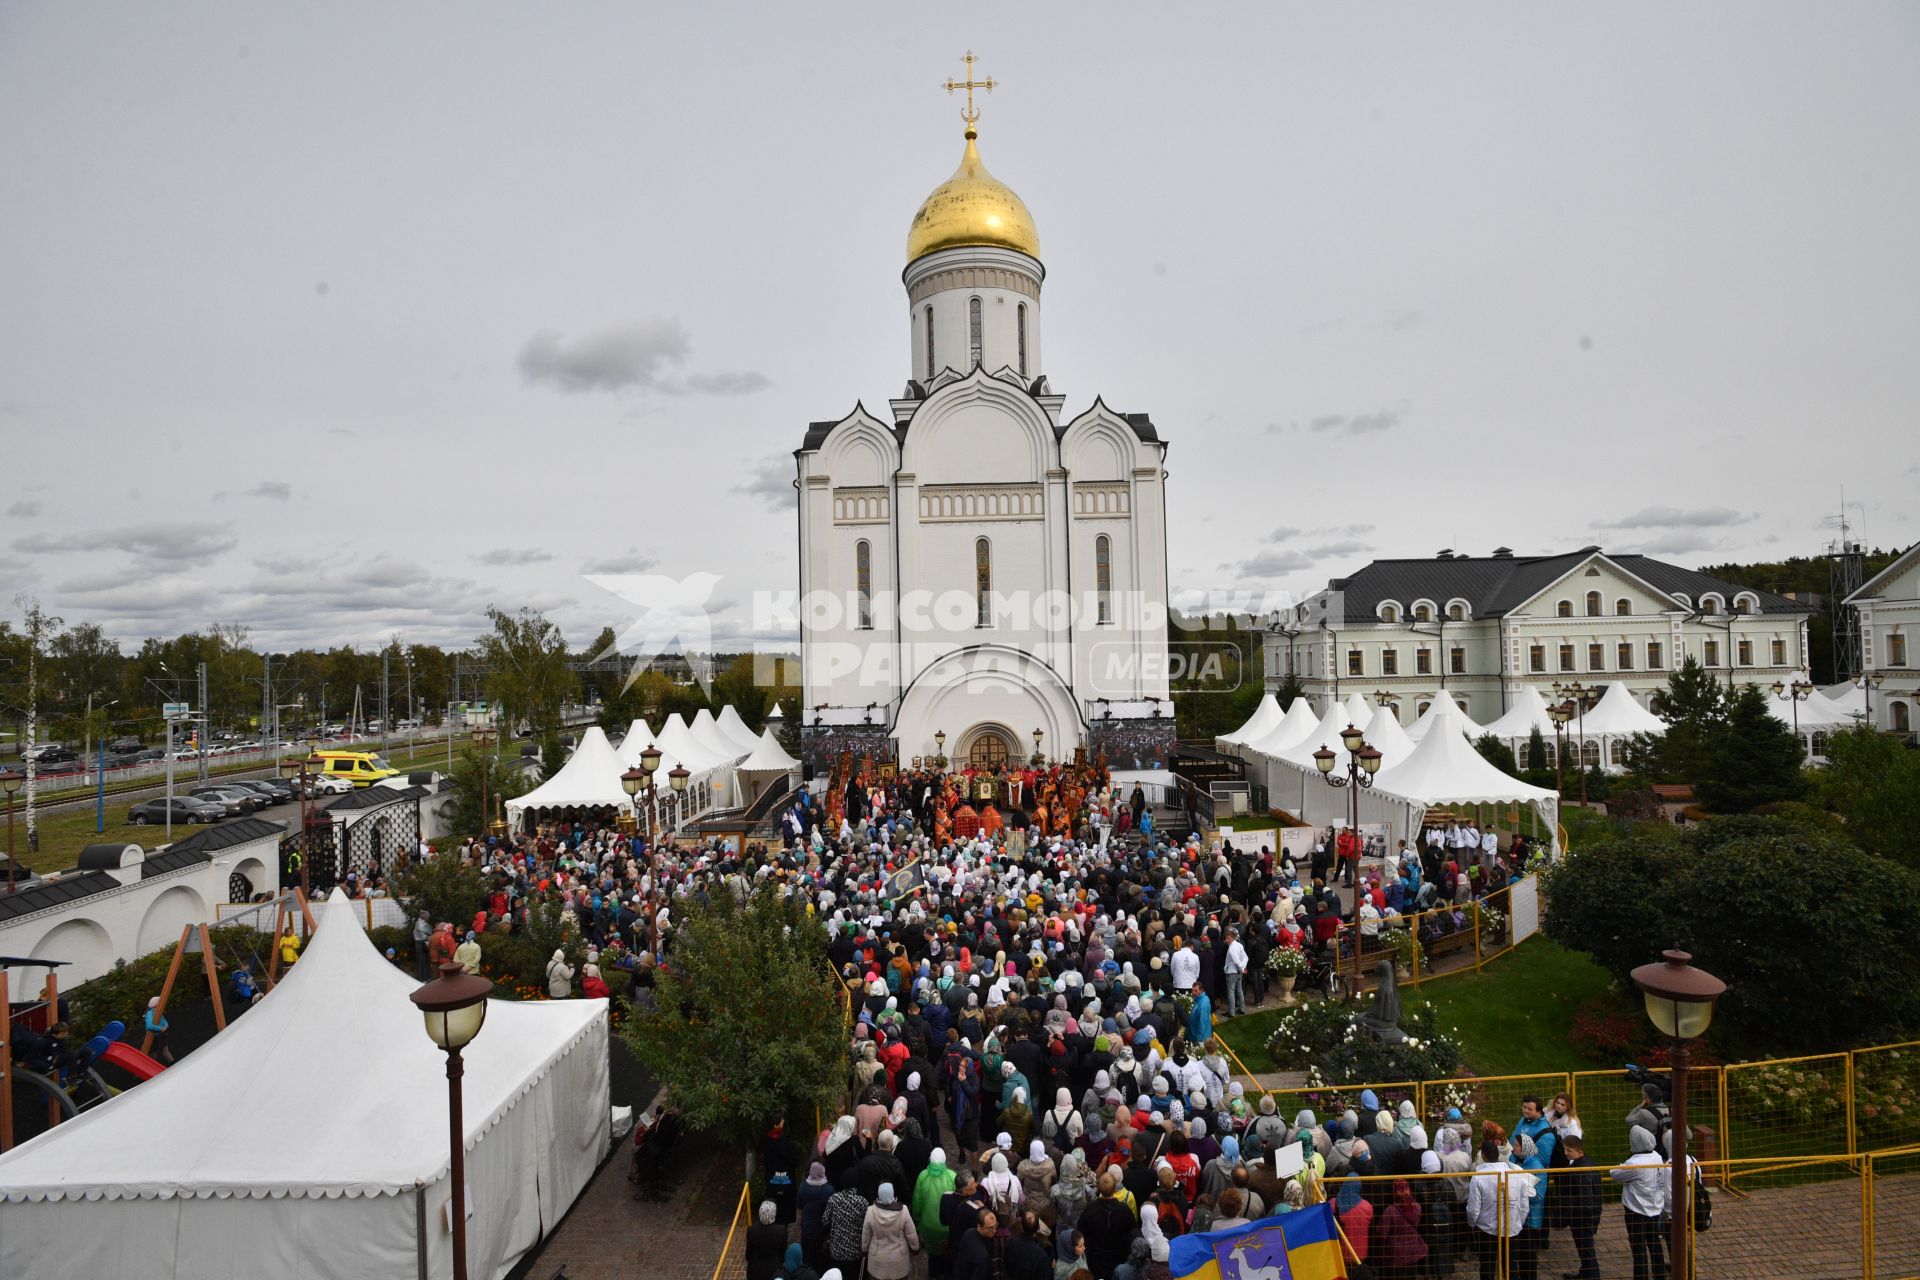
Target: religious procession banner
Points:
(1302, 1245)
(907, 879)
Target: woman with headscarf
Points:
(1069, 1253)
(1217, 1174)
(1060, 1124)
(1159, 1249)
(919, 1107)
(559, 976)
(1073, 1190)
(766, 1245)
(935, 1180)
(1003, 1189)
(1036, 1173)
(888, 1238)
(1017, 1120)
(868, 1066)
(813, 1197)
(840, 1153)
(796, 1266)
(1355, 1212)
(1398, 1249)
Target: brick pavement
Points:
(610, 1236)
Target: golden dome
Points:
(972, 207)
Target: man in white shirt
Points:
(1644, 1180)
(1185, 965)
(1483, 1205)
(1236, 970)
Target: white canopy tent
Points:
(1359, 710)
(736, 729)
(1615, 719)
(1264, 717)
(1293, 780)
(589, 779)
(1299, 721)
(309, 1140)
(759, 770)
(1446, 769)
(638, 739)
(1527, 713)
(1443, 707)
(708, 733)
(1385, 735)
(1815, 717)
(1849, 698)
(677, 739)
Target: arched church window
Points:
(1020, 322)
(982, 582)
(1593, 604)
(1103, 576)
(930, 365)
(863, 583)
(973, 332)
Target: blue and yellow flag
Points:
(1302, 1245)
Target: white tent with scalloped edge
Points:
(309, 1139)
(736, 730)
(1443, 709)
(1264, 717)
(590, 779)
(1296, 724)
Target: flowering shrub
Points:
(1325, 1039)
(1886, 1104)
(1303, 1033)
(1493, 925)
(1795, 1092)
(1286, 962)
(1605, 1032)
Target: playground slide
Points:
(131, 1061)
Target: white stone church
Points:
(982, 575)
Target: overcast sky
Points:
(347, 320)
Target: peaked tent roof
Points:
(768, 757)
(1325, 733)
(1528, 712)
(1816, 710)
(736, 729)
(679, 741)
(1297, 723)
(1264, 717)
(589, 778)
(1446, 769)
(1443, 707)
(1359, 711)
(1385, 735)
(638, 739)
(707, 732)
(342, 1013)
(1617, 715)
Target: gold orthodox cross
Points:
(970, 115)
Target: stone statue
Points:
(1382, 1021)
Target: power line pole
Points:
(206, 726)
(386, 712)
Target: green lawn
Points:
(1513, 1016)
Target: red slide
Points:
(132, 1061)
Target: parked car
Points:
(273, 790)
(51, 754)
(125, 746)
(328, 786)
(185, 809)
(237, 802)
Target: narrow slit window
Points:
(863, 582)
(1102, 575)
(1020, 323)
(973, 332)
(930, 364)
(982, 581)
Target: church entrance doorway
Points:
(989, 749)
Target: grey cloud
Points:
(1359, 424)
(1284, 532)
(632, 562)
(514, 555)
(1401, 321)
(26, 508)
(1344, 547)
(1271, 564)
(772, 483)
(1679, 542)
(276, 490)
(642, 355)
(1678, 518)
(174, 545)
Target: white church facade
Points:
(977, 563)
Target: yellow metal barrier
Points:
(728, 1264)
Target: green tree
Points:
(1497, 753)
(1873, 783)
(462, 805)
(1752, 759)
(1714, 890)
(527, 671)
(443, 887)
(1694, 706)
(1290, 688)
(746, 1021)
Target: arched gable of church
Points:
(859, 452)
(980, 430)
(1101, 445)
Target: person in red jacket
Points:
(1398, 1249)
(1347, 845)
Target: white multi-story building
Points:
(976, 562)
(1889, 607)
(1479, 629)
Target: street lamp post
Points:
(677, 779)
(483, 739)
(1560, 713)
(940, 749)
(1795, 693)
(298, 768)
(454, 1006)
(1578, 694)
(1363, 762)
(1038, 758)
(12, 784)
(638, 783)
(1679, 1001)
(1868, 684)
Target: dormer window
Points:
(1389, 612)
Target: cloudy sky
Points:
(347, 320)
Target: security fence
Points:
(1445, 940)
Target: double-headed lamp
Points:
(454, 1006)
(1679, 997)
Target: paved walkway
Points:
(611, 1236)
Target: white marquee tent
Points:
(1264, 717)
(1527, 713)
(1446, 769)
(707, 732)
(1359, 710)
(736, 729)
(1443, 707)
(638, 739)
(1816, 715)
(678, 740)
(309, 1140)
(768, 761)
(589, 779)
(1299, 721)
